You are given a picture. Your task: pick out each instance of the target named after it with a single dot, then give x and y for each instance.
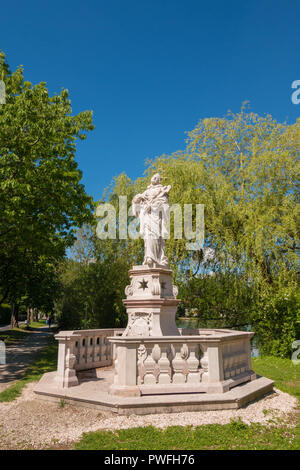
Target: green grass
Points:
(46, 362)
(234, 436)
(285, 374)
(37, 324)
(14, 336)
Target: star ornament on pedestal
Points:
(144, 284)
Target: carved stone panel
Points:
(139, 324)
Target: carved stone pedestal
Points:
(153, 357)
(151, 303)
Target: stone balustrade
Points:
(211, 361)
(81, 350)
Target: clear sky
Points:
(151, 69)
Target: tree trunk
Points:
(14, 322)
(31, 315)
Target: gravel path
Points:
(30, 423)
(20, 355)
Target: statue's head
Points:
(156, 179)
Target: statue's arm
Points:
(137, 199)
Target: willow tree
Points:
(244, 169)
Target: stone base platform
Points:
(93, 392)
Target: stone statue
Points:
(152, 207)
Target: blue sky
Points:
(150, 70)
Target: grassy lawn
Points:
(285, 374)
(46, 362)
(234, 436)
(15, 335)
(37, 324)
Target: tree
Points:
(244, 169)
(92, 293)
(41, 198)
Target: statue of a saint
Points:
(152, 207)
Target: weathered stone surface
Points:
(151, 303)
(95, 394)
(212, 361)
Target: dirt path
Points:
(19, 356)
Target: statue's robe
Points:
(153, 209)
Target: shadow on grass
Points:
(46, 362)
(14, 336)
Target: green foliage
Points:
(5, 311)
(41, 197)
(221, 299)
(244, 169)
(92, 294)
(278, 308)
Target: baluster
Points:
(164, 366)
(97, 349)
(149, 365)
(90, 350)
(178, 365)
(156, 353)
(234, 360)
(103, 349)
(238, 362)
(77, 351)
(83, 351)
(194, 375)
(243, 361)
(226, 362)
(204, 363)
